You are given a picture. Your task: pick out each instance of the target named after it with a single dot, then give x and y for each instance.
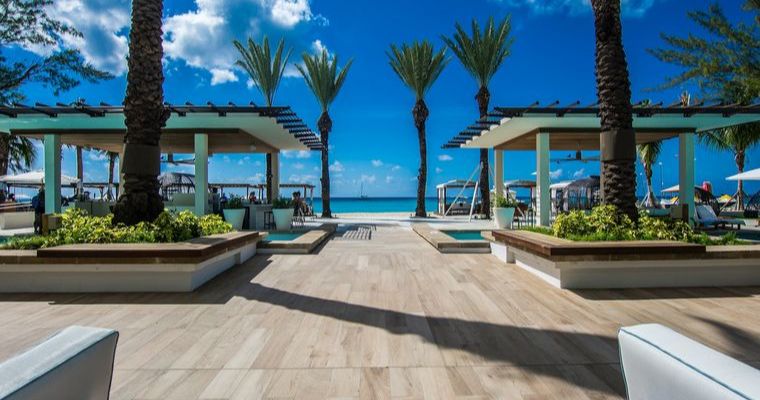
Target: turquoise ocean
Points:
(375, 204)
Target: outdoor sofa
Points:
(659, 363)
(73, 364)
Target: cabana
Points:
(35, 179)
(458, 207)
(576, 128)
(199, 129)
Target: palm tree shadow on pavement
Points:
(586, 360)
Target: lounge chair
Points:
(659, 363)
(706, 217)
(74, 364)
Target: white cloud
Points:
(369, 179)
(630, 8)
(257, 178)
(317, 47)
(395, 168)
(219, 76)
(556, 174)
(336, 167)
(302, 178)
(202, 37)
(377, 163)
(438, 170)
(97, 156)
(445, 157)
(102, 24)
(389, 179)
(296, 154)
(579, 173)
(298, 166)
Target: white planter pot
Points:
(503, 217)
(234, 217)
(283, 218)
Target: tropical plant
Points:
(79, 227)
(500, 201)
(737, 140)
(265, 71)
(323, 78)
(26, 24)
(617, 139)
(282, 204)
(145, 116)
(725, 65)
(482, 54)
(418, 66)
(234, 203)
(16, 153)
(648, 154)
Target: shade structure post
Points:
(201, 173)
(275, 176)
(52, 145)
(543, 190)
(498, 171)
(686, 172)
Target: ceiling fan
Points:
(577, 157)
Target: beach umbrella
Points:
(34, 178)
(753, 175)
(726, 198)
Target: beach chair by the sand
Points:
(705, 217)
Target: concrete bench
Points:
(74, 364)
(659, 363)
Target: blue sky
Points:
(373, 139)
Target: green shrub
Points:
(234, 202)
(78, 227)
(504, 202)
(213, 224)
(606, 223)
(282, 203)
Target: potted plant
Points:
(282, 210)
(234, 213)
(504, 211)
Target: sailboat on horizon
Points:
(362, 196)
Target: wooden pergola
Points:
(199, 129)
(574, 127)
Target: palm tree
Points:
(266, 72)
(16, 153)
(617, 139)
(482, 54)
(111, 164)
(145, 116)
(418, 65)
(323, 78)
(648, 154)
(737, 140)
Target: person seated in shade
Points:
(299, 208)
(252, 198)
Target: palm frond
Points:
(735, 139)
(264, 69)
(321, 74)
(649, 153)
(417, 65)
(21, 152)
(482, 52)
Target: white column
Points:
(498, 171)
(686, 171)
(543, 192)
(201, 173)
(275, 175)
(52, 173)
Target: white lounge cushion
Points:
(659, 363)
(74, 364)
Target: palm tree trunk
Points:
(111, 165)
(269, 178)
(739, 158)
(617, 139)
(80, 167)
(325, 126)
(651, 199)
(420, 113)
(145, 116)
(5, 150)
(484, 97)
